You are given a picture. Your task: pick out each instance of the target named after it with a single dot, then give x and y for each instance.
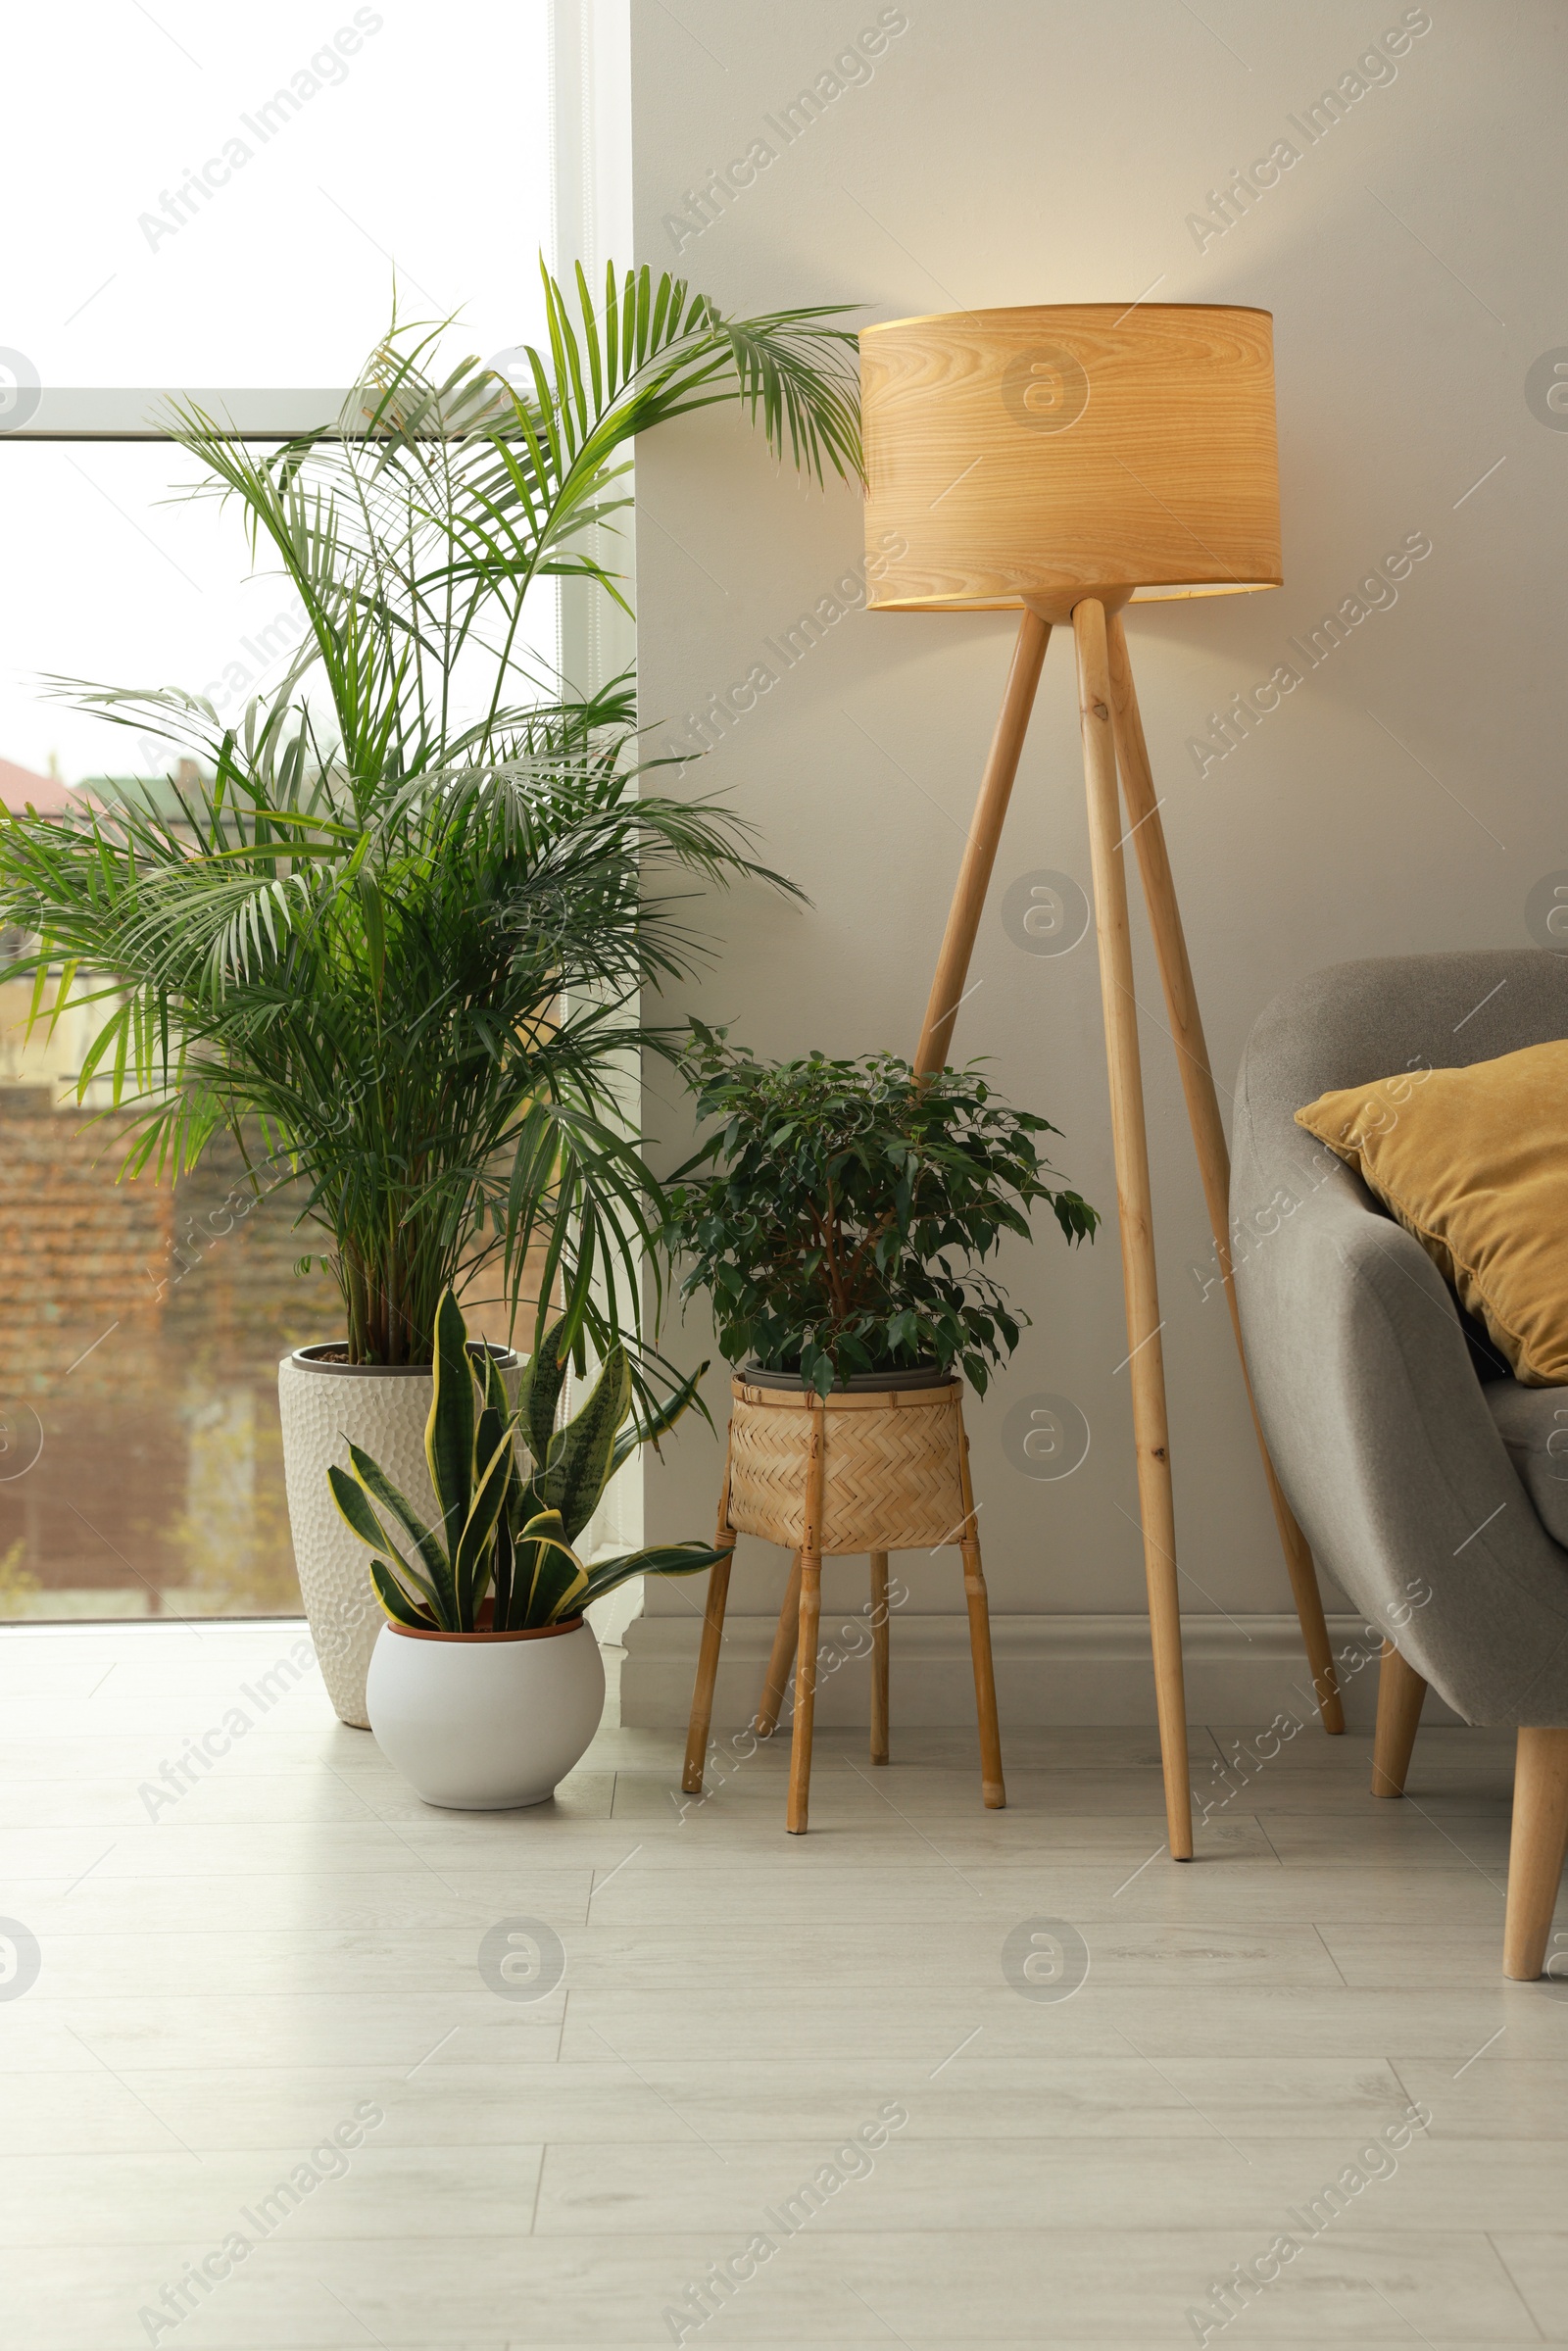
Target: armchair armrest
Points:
(1380, 1435)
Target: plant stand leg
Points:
(811, 1620)
(1208, 1132)
(800, 1795)
(702, 1715)
(1144, 1362)
(879, 1657)
(1400, 1692)
(783, 1656)
(992, 1787)
(1535, 1850)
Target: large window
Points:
(241, 196)
(241, 185)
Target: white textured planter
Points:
(382, 1409)
(486, 1722)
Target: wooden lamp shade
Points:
(1036, 455)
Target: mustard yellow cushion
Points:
(1474, 1162)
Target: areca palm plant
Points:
(403, 915)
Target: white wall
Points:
(1407, 796)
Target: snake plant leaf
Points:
(449, 1432)
(567, 1601)
(490, 1430)
(470, 1564)
(498, 1417)
(545, 1527)
(548, 1569)
(495, 1386)
(355, 1506)
(557, 1587)
(394, 1599)
(523, 1502)
(544, 1376)
(659, 1559)
(357, 1509)
(581, 1456)
(385, 1496)
(502, 1564)
(658, 1424)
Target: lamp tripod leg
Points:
(1145, 1361)
(980, 849)
(1208, 1133)
(993, 1788)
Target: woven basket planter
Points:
(892, 1479)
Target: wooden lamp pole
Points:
(1034, 407)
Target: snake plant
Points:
(506, 1531)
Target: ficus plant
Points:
(506, 1525)
(838, 1215)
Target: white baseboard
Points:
(1068, 1670)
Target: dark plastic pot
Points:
(860, 1383)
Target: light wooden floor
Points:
(295, 1943)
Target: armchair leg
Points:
(1536, 1852)
(1401, 1692)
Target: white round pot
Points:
(486, 1722)
(382, 1409)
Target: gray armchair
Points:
(1411, 1476)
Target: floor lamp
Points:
(1065, 460)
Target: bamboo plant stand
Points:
(873, 1471)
